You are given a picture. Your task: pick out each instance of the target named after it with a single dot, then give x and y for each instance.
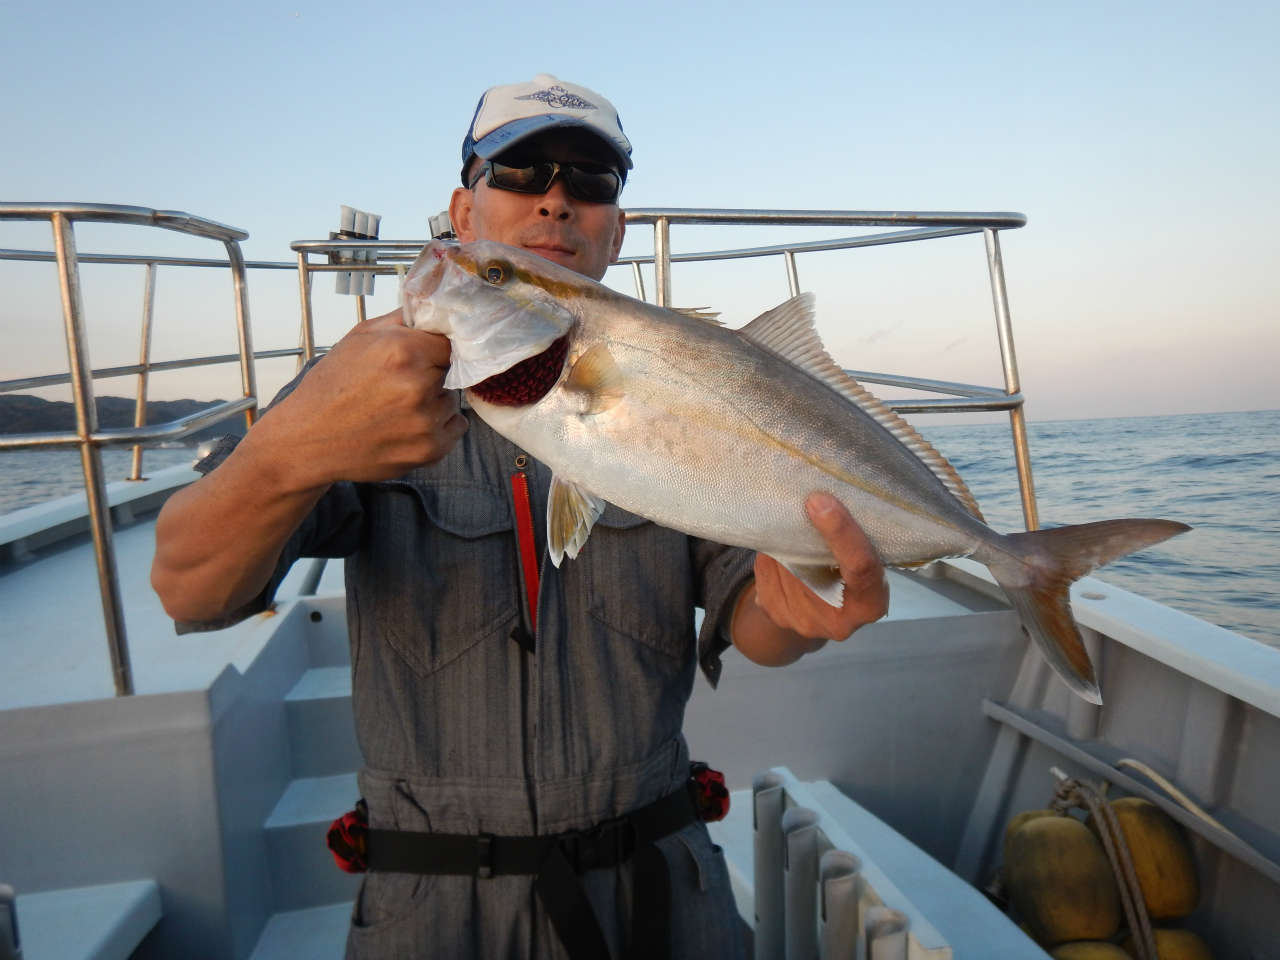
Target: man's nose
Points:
(556, 202)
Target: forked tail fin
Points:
(1038, 569)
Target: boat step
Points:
(322, 738)
(303, 873)
(317, 933)
(105, 922)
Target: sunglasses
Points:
(593, 182)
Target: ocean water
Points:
(28, 477)
(1220, 473)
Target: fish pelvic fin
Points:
(788, 332)
(571, 513)
(1036, 574)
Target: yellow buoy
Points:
(1161, 856)
(1175, 945)
(1018, 819)
(1088, 950)
(1061, 882)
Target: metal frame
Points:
(87, 436)
(387, 257)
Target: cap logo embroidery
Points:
(560, 98)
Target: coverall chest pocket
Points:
(640, 581)
(449, 550)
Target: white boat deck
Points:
(58, 653)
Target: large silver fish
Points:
(722, 434)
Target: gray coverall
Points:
(465, 731)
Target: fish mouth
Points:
(526, 381)
(428, 282)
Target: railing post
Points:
(90, 456)
(248, 381)
(1017, 421)
(308, 333)
(662, 261)
(793, 279)
(639, 279)
(144, 361)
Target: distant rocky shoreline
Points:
(23, 413)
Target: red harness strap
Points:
(528, 550)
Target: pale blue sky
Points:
(1140, 139)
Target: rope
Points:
(1181, 798)
(1076, 793)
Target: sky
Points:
(1140, 140)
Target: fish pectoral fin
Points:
(821, 578)
(571, 512)
(596, 379)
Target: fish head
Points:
(498, 305)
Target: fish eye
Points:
(494, 273)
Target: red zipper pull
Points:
(524, 537)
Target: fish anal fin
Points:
(823, 579)
(597, 379)
(787, 331)
(571, 512)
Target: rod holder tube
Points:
(886, 934)
(308, 332)
(800, 879)
(838, 906)
(768, 798)
(90, 456)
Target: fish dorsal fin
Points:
(571, 513)
(700, 313)
(788, 332)
(596, 379)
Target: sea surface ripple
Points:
(1218, 472)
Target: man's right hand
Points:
(374, 408)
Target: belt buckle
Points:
(585, 848)
(484, 855)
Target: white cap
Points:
(508, 114)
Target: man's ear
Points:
(618, 236)
(460, 207)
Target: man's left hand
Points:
(778, 619)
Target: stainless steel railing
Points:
(62, 218)
(383, 257)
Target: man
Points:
(525, 772)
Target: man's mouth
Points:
(550, 249)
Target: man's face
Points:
(578, 234)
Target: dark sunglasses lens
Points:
(595, 186)
(533, 179)
(593, 183)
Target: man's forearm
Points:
(218, 540)
(761, 640)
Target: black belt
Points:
(557, 861)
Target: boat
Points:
(169, 796)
